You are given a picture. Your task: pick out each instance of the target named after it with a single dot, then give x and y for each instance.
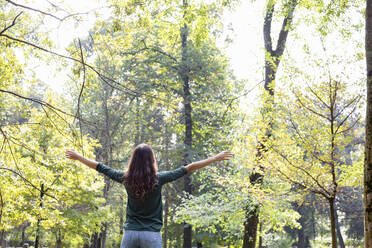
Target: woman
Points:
(143, 184)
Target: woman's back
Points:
(144, 214)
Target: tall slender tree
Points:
(272, 60)
(184, 75)
(368, 145)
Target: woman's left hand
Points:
(72, 154)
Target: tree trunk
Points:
(260, 241)
(100, 238)
(184, 73)
(59, 243)
(166, 204)
(272, 60)
(1, 213)
(104, 154)
(138, 113)
(23, 234)
(97, 238)
(38, 219)
(368, 145)
(94, 241)
(1, 206)
(250, 229)
(187, 235)
(165, 229)
(107, 155)
(2, 240)
(103, 235)
(302, 235)
(179, 241)
(121, 222)
(331, 202)
(37, 234)
(338, 231)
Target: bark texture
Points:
(368, 146)
(37, 238)
(184, 74)
(166, 193)
(331, 202)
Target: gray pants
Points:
(141, 239)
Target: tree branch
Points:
(107, 80)
(267, 27)
(27, 181)
(159, 51)
(301, 169)
(231, 100)
(313, 153)
(355, 100)
(349, 128)
(46, 13)
(37, 101)
(301, 184)
(36, 10)
(11, 25)
(56, 126)
(317, 96)
(111, 82)
(345, 119)
(308, 108)
(3, 144)
(2, 205)
(285, 28)
(78, 113)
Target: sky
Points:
(240, 25)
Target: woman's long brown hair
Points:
(140, 178)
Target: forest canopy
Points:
(280, 83)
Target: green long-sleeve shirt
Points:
(144, 214)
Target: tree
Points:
(272, 61)
(309, 155)
(368, 146)
(51, 196)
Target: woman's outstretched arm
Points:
(226, 155)
(72, 154)
(106, 170)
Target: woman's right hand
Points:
(72, 154)
(225, 155)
